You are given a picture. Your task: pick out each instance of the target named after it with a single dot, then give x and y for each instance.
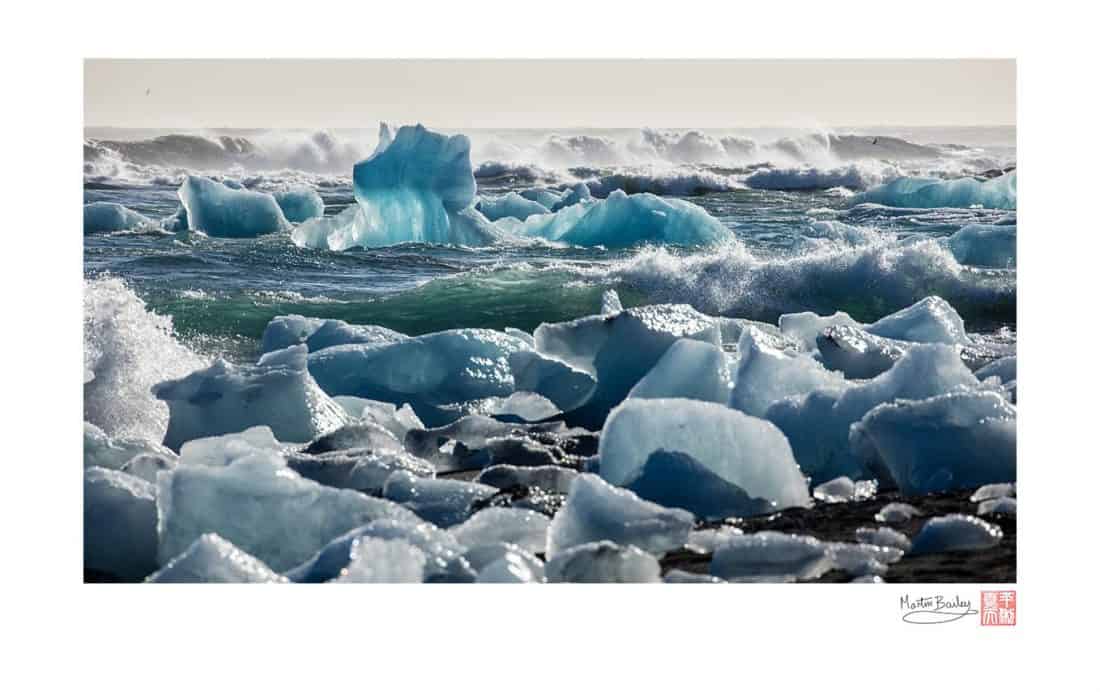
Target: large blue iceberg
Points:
(929, 193)
(418, 186)
(219, 210)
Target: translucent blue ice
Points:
(603, 562)
(300, 203)
(511, 205)
(213, 560)
(104, 217)
(985, 245)
(222, 211)
(956, 532)
(927, 193)
(120, 524)
(317, 333)
(689, 369)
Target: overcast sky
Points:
(459, 94)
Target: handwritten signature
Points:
(934, 610)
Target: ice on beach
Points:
(362, 469)
(747, 453)
(428, 372)
(398, 421)
(999, 505)
(317, 333)
(417, 187)
(805, 327)
(708, 540)
(679, 576)
(844, 489)
(883, 536)
(623, 220)
(127, 350)
(377, 561)
(863, 559)
(817, 425)
(766, 375)
(512, 565)
(521, 527)
(992, 491)
(524, 406)
(897, 513)
(956, 532)
(113, 453)
(300, 203)
(603, 562)
(263, 507)
(441, 501)
(928, 193)
(930, 320)
(552, 479)
(560, 383)
(107, 217)
(856, 353)
(222, 211)
(596, 511)
(361, 434)
(619, 350)
(985, 245)
(222, 450)
(689, 369)
(439, 547)
(955, 440)
(770, 556)
(120, 524)
(1002, 368)
(465, 443)
(277, 392)
(213, 560)
(512, 205)
(147, 466)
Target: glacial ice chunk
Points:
(804, 327)
(992, 491)
(261, 506)
(120, 524)
(398, 421)
(107, 217)
(212, 559)
(674, 479)
(928, 193)
(862, 559)
(748, 453)
(596, 511)
(770, 556)
(817, 424)
(956, 532)
(277, 392)
(222, 211)
(955, 440)
(679, 576)
(931, 320)
(511, 204)
(856, 353)
(317, 333)
(113, 453)
(521, 527)
(603, 562)
(365, 470)
(441, 501)
(376, 561)
(689, 369)
(897, 513)
(883, 536)
(147, 466)
(513, 566)
(1003, 368)
(544, 196)
(999, 505)
(765, 375)
(552, 479)
(300, 203)
(562, 384)
(619, 350)
(428, 372)
(222, 450)
(985, 245)
(578, 193)
(843, 489)
(624, 220)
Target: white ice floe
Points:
(263, 507)
(858, 354)
(277, 392)
(955, 440)
(428, 372)
(596, 511)
(120, 524)
(440, 501)
(377, 561)
(770, 556)
(766, 375)
(883, 536)
(689, 369)
(222, 211)
(212, 559)
(619, 350)
(733, 461)
(805, 327)
(897, 513)
(956, 532)
(844, 489)
(521, 527)
(930, 320)
(222, 450)
(603, 562)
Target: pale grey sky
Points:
(548, 93)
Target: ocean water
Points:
(220, 293)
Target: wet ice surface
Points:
(956, 532)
